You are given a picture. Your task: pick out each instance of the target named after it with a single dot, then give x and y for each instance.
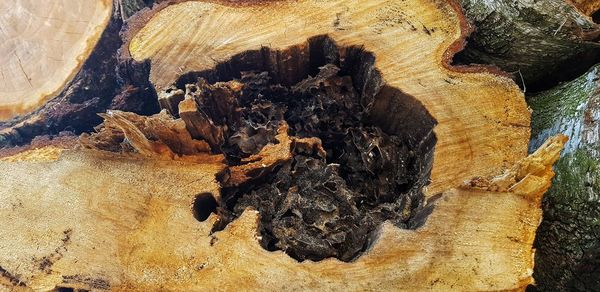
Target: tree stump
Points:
(142, 203)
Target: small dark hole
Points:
(596, 16)
(204, 205)
(64, 289)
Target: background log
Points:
(103, 80)
(43, 47)
(539, 42)
(568, 241)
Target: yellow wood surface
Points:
(483, 121)
(124, 222)
(104, 221)
(43, 44)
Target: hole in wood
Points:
(596, 16)
(371, 158)
(204, 205)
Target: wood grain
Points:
(43, 46)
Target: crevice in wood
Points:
(204, 205)
(370, 156)
(9, 278)
(596, 16)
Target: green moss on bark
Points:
(568, 239)
(562, 110)
(127, 8)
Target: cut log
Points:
(568, 241)
(539, 42)
(122, 211)
(43, 47)
(62, 67)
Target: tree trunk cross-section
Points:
(130, 206)
(485, 103)
(35, 40)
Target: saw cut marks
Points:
(42, 47)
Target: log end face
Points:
(36, 67)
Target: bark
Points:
(104, 81)
(568, 241)
(127, 8)
(542, 41)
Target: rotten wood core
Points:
(342, 175)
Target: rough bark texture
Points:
(105, 81)
(568, 240)
(127, 8)
(544, 41)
